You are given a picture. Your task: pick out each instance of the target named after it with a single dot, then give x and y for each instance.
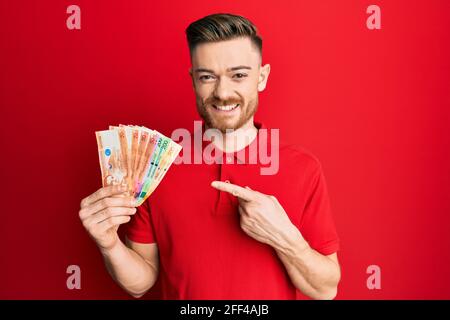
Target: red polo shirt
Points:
(203, 252)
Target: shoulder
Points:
(300, 156)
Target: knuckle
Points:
(89, 228)
(109, 202)
(104, 202)
(101, 215)
(92, 230)
(81, 214)
(101, 192)
(109, 212)
(249, 210)
(85, 224)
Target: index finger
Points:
(235, 190)
(103, 193)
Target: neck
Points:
(237, 139)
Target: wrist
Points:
(293, 244)
(111, 250)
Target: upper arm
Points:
(148, 251)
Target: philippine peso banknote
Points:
(135, 156)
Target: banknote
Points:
(111, 159)
(160, 148)
(168, 153)
(166, 161)
(136, 157)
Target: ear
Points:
(192, 77)
(263, 76)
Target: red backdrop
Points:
(372, 105)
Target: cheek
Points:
(248, 90)
(203, 91)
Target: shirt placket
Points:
(225, 204)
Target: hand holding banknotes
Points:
(133, 161)
(135, 156)
(104, 211)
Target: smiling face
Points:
(227, 76)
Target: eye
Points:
(239, 75)
(206, 77)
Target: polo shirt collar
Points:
(240, 156)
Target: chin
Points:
(222, 124)
(224, 127)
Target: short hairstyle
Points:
(220, 27)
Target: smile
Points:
(227, 108)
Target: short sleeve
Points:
(317, 224)
(140, 228)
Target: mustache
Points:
(219, 102)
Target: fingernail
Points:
(214, 183)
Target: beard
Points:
(223, 121)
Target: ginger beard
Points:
(230, 114)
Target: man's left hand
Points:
(262, 216)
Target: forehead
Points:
(225, 54)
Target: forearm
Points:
(129, 269)
(314, 274)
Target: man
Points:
(223, 230)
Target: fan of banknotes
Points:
(136, 157)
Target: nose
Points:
(223, 90)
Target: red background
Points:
(372, 105)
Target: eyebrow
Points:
(228, 70)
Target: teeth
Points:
(226, 108)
